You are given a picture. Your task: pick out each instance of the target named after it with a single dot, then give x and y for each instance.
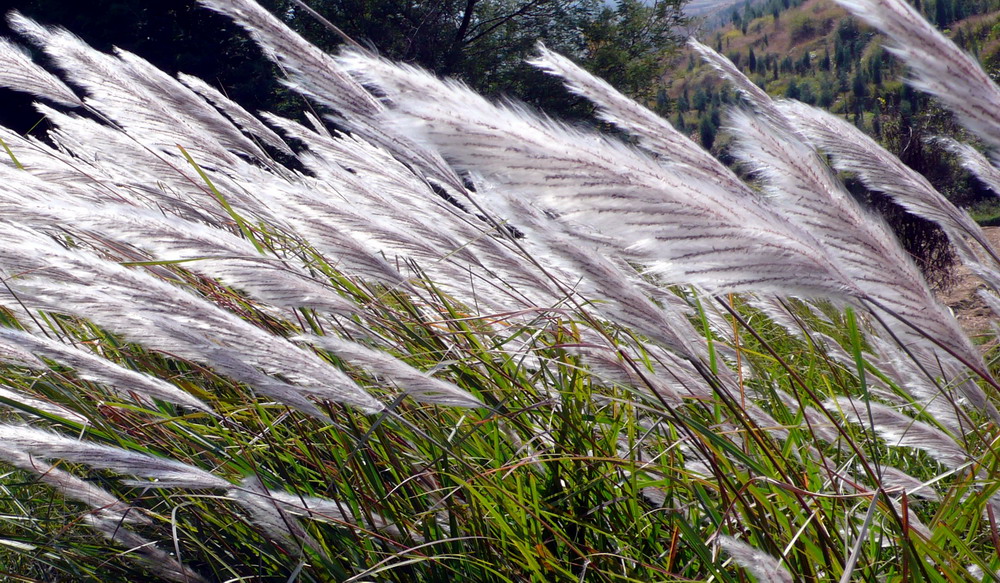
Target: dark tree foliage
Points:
(627, 45)
(922, 239)
(479, 41)
(482, 42)
(485, 42)
(176, 36)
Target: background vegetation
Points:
(814, 52)
(482, 42)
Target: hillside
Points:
(708, 7)
(812, 51)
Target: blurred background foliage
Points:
(482, 42)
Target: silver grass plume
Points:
(316, 75)
(102, 503)
(13, 353)
(346, 250)
(55, 166)
(415, 383)
(28, 407)
(241, 117)
(165, 318)
(369, 208)
(651, 212)
(132, 174)
(927, 393)
(991, 300)
(273, 517)
(607, 367)
(207, 251)
(899, 430)
(938, 66)
(397, 214)
(279, 512)
(655, 134)
(159, 562)
(648, 368)
(895, 480)
(853, 151)
(806, 191)
(763, 566)
(394, 205)
(18, 71)
(93, 368)
(313, 72)
(120, 89)
(618, 290)
(179, 97)
(628, 306)
(803, 188)
(213, 253)
(975, 162)
(161, 472)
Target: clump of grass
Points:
(604, 363)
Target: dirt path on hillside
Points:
(971, 311)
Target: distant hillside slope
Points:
(812, 51)
(706, 7)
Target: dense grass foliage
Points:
(456, 341)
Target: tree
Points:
(804, 63)
(482, 42)
(629, 45)
(942, 12)
(792, 91)
(859, 86)
(485, 42)
(700, 100)
(806, 94)
(706, 132)
(683, 102)
(826, 93)
(176, 36)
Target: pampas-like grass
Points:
(655, 134)
(451, 327)
(804, 189)
(415, 383)
(93, 368)
(649, 211)
(241, 117)
(122, 88)
(900, 430)
(975, 162)
(853, 151)
(53, 278)
(316, 74)
(21, 73)
(763, 566)
(161, 472)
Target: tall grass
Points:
(454, 340)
